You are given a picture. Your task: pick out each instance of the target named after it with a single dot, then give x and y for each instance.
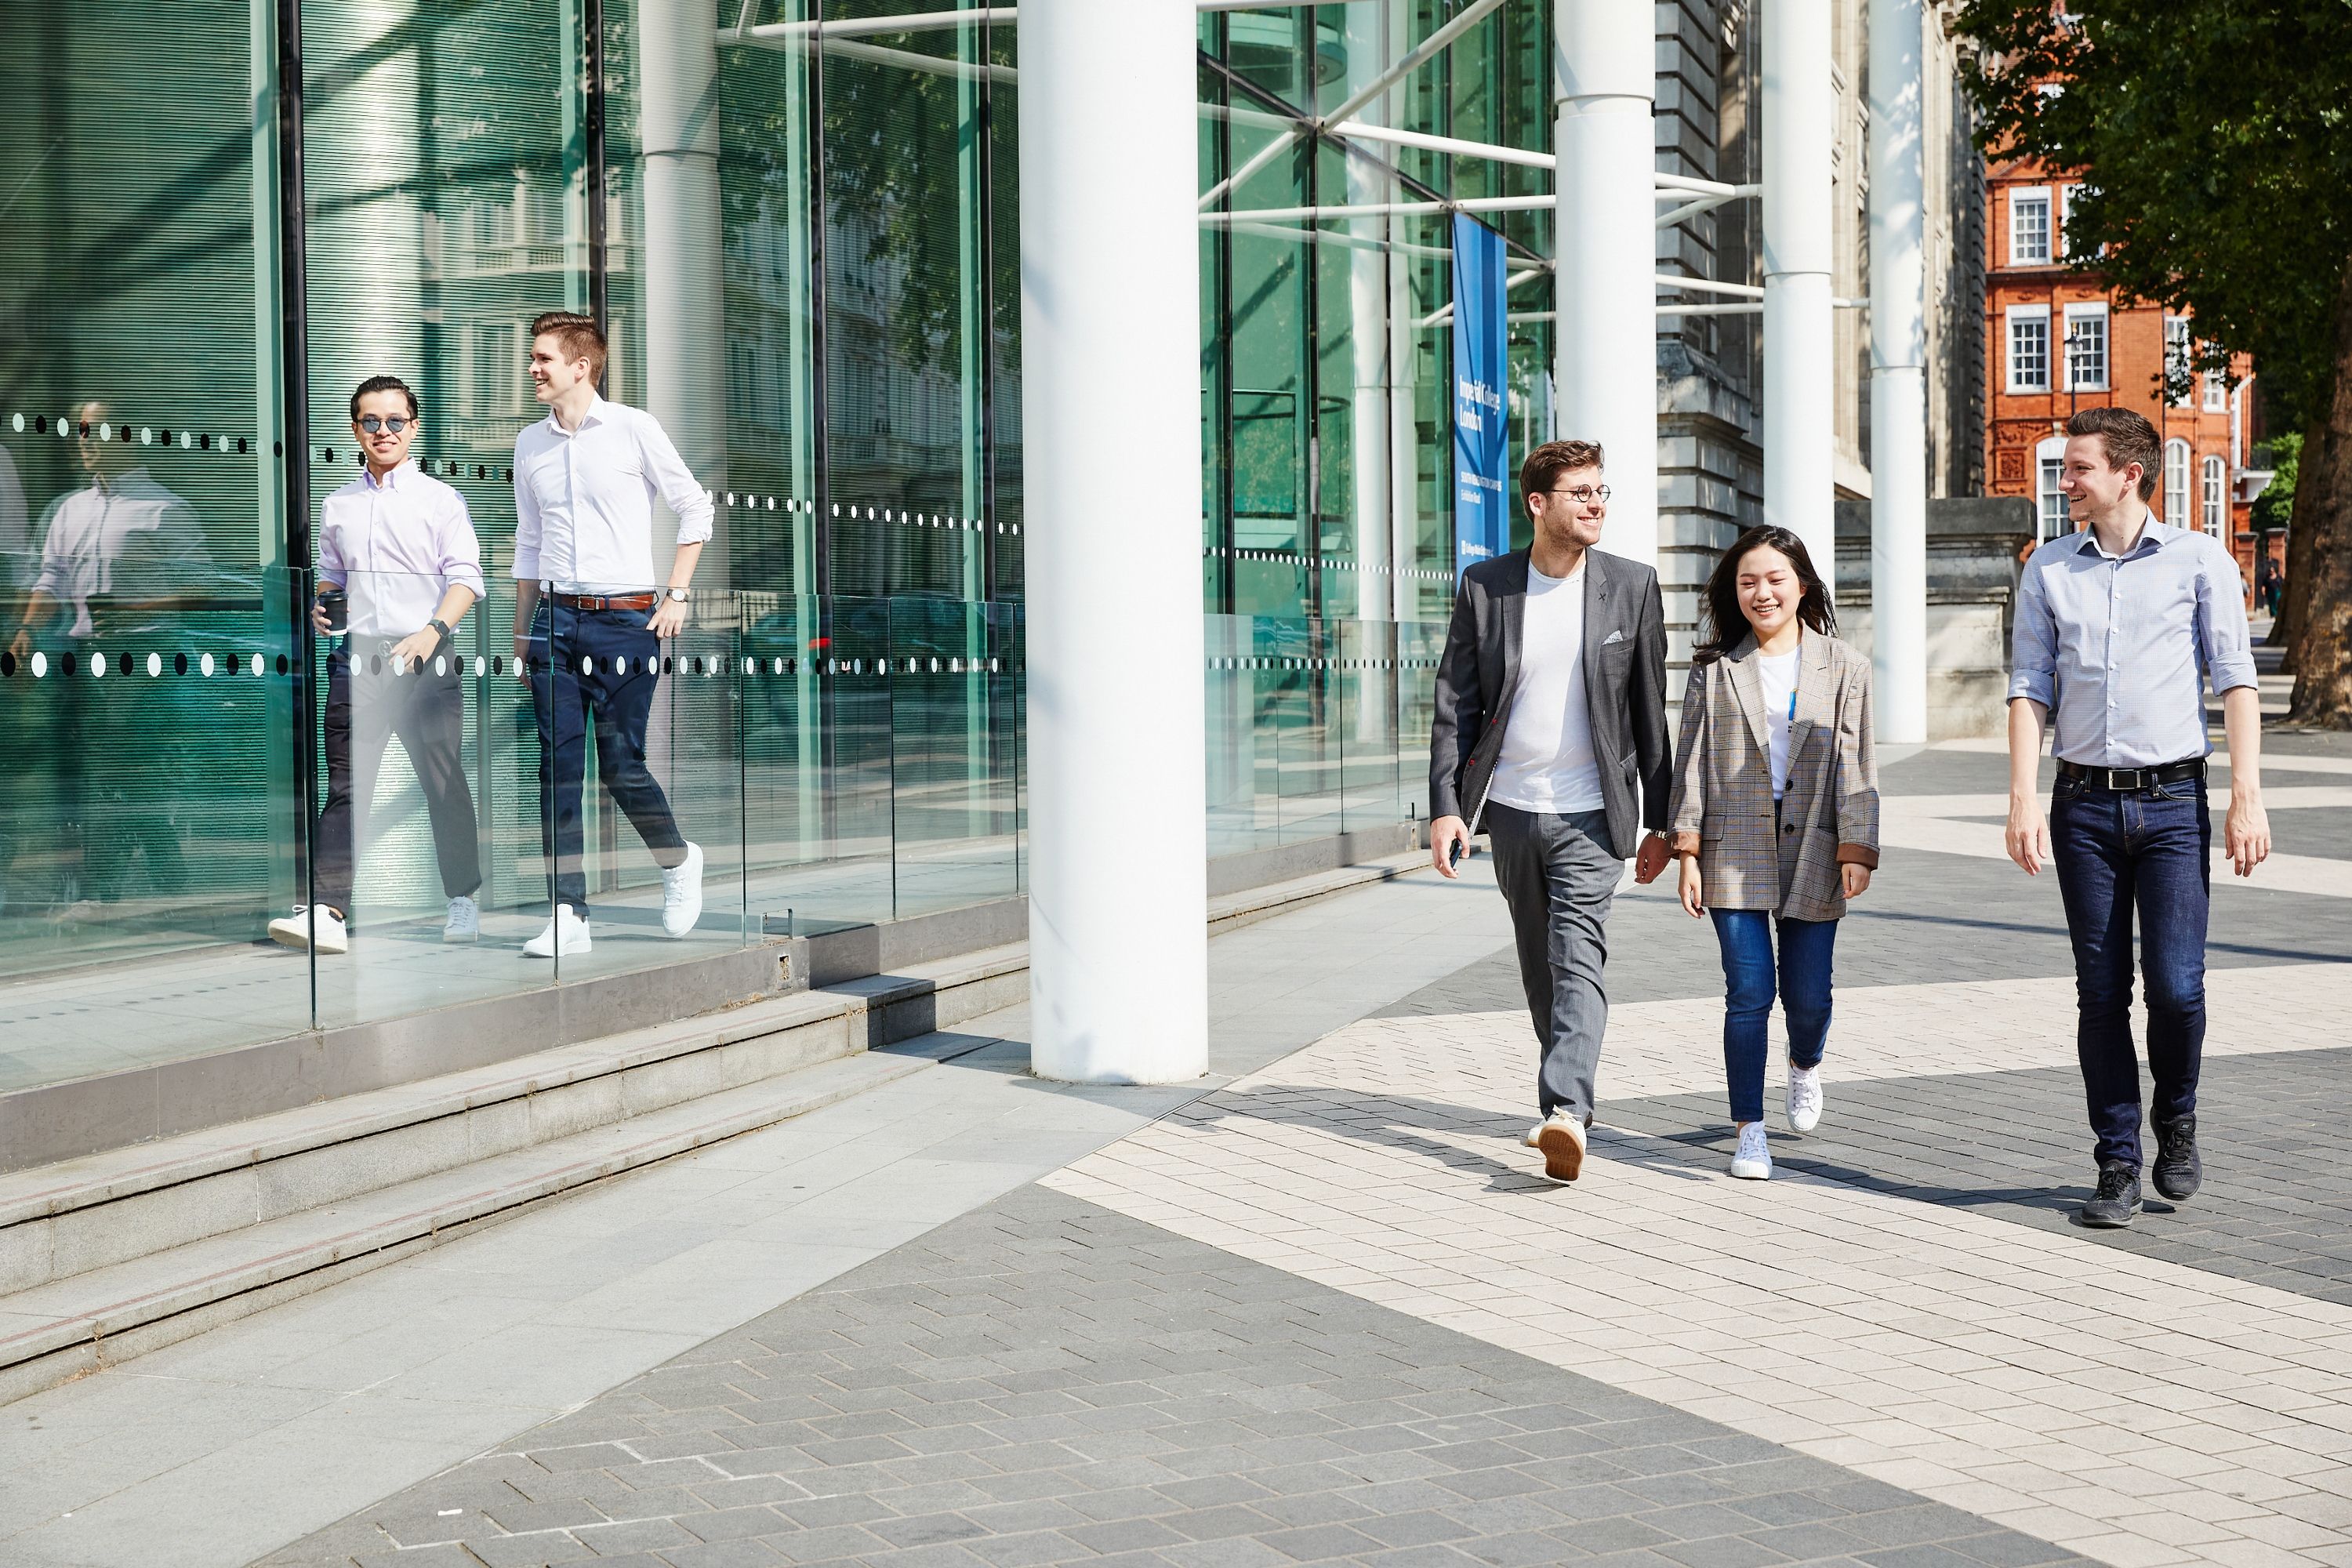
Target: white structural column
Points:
(1604, 92)
(1110, 410)
(1799, 375)
(1898, 373)
(1368, 337)
(683, 343)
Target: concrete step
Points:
(108, 1255)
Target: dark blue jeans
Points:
(585, 687)
(1750, 980)
(2151, 851)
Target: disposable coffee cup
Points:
(337, 605)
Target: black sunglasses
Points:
(372, 423)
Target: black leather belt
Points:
(2124, 781)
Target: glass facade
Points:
(800, 229)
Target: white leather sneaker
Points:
(320, 930)
(682, 893)
(572, 937)
(1533, 1133)
(1561, 1138)
(1753, 1160)
(465, 920)
(1804, 1098)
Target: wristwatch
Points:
(681, 595)
(439, 625)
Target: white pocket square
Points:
(1612, 637)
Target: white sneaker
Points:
(573, 938)
(328, 934)
(1753, 1160)
(682, 893)
(465, 920)
(1533, 1133)
(1804, 1098)
(1561, 1138)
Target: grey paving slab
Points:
(2275, 1208)
(1245, 1376)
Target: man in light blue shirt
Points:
(2118, 627)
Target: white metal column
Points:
(1111, 431)
(1800, 376)
(1604, 90)
(1898, 373)
(683, 341)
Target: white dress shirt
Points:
(395, 546)
(93, 533)
(584, 500)
(1546, 763)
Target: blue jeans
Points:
(2150, 849)
(1750, 981)
(569, 700)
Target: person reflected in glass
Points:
(120, 555)
(1775, 814)
(398, 568)
(588, 624)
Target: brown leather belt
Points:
(604, 601)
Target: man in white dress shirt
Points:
(399, 546)
(585, 478)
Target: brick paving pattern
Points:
(1043, 1382)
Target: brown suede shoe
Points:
(1561, 1138)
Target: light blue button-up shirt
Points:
(2117, 647)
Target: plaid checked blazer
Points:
(1751, 857)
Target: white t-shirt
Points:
(1546, 759)
(1776, 674)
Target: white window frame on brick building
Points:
(2031, 230)
(2179, 351)
(2176, 482)
(2216, 498)
(2086, 347)
(2050, 513)
(2035, 321)
(2217, 392)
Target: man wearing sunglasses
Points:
(399, 563)
(1551, 728)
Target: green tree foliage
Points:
(2215, 141)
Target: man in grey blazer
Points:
(1550, 714)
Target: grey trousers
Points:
(1558, 875)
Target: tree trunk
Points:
(2302, 520)
(2322, 646)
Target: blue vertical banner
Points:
(1482, 502)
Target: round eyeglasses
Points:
(375, 423)
(1584, 495)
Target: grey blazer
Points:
(1751, 857)
(1624, 688)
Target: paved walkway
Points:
(1327, 1311)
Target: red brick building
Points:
(2057, 340)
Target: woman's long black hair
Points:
(1725, 624)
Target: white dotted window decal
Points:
(206, 664)
(481, 665)
(440, 663)
(97, 665)
(711, 666)
(155, 665)
(856, 667)
(587, 665)
(40, 665)
(750, 667)
(17, 421)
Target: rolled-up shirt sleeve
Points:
(676, 482)
(526, 556)
(459, 551)
(2033, 644)
(2222, 631)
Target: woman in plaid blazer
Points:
(1775, 812)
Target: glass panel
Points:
(952, 746)
(149, 813)
(428, 842)
(1306, 740)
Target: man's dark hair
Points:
(1548, 462)
(2127, 438)
(579, 336)
(382, 383)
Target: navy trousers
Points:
(596, 670)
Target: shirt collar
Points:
(595, 415)
(391, 481)
(2153, 535)
(116, 484)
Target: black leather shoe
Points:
(2117, 1199)
(2178, 1173)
